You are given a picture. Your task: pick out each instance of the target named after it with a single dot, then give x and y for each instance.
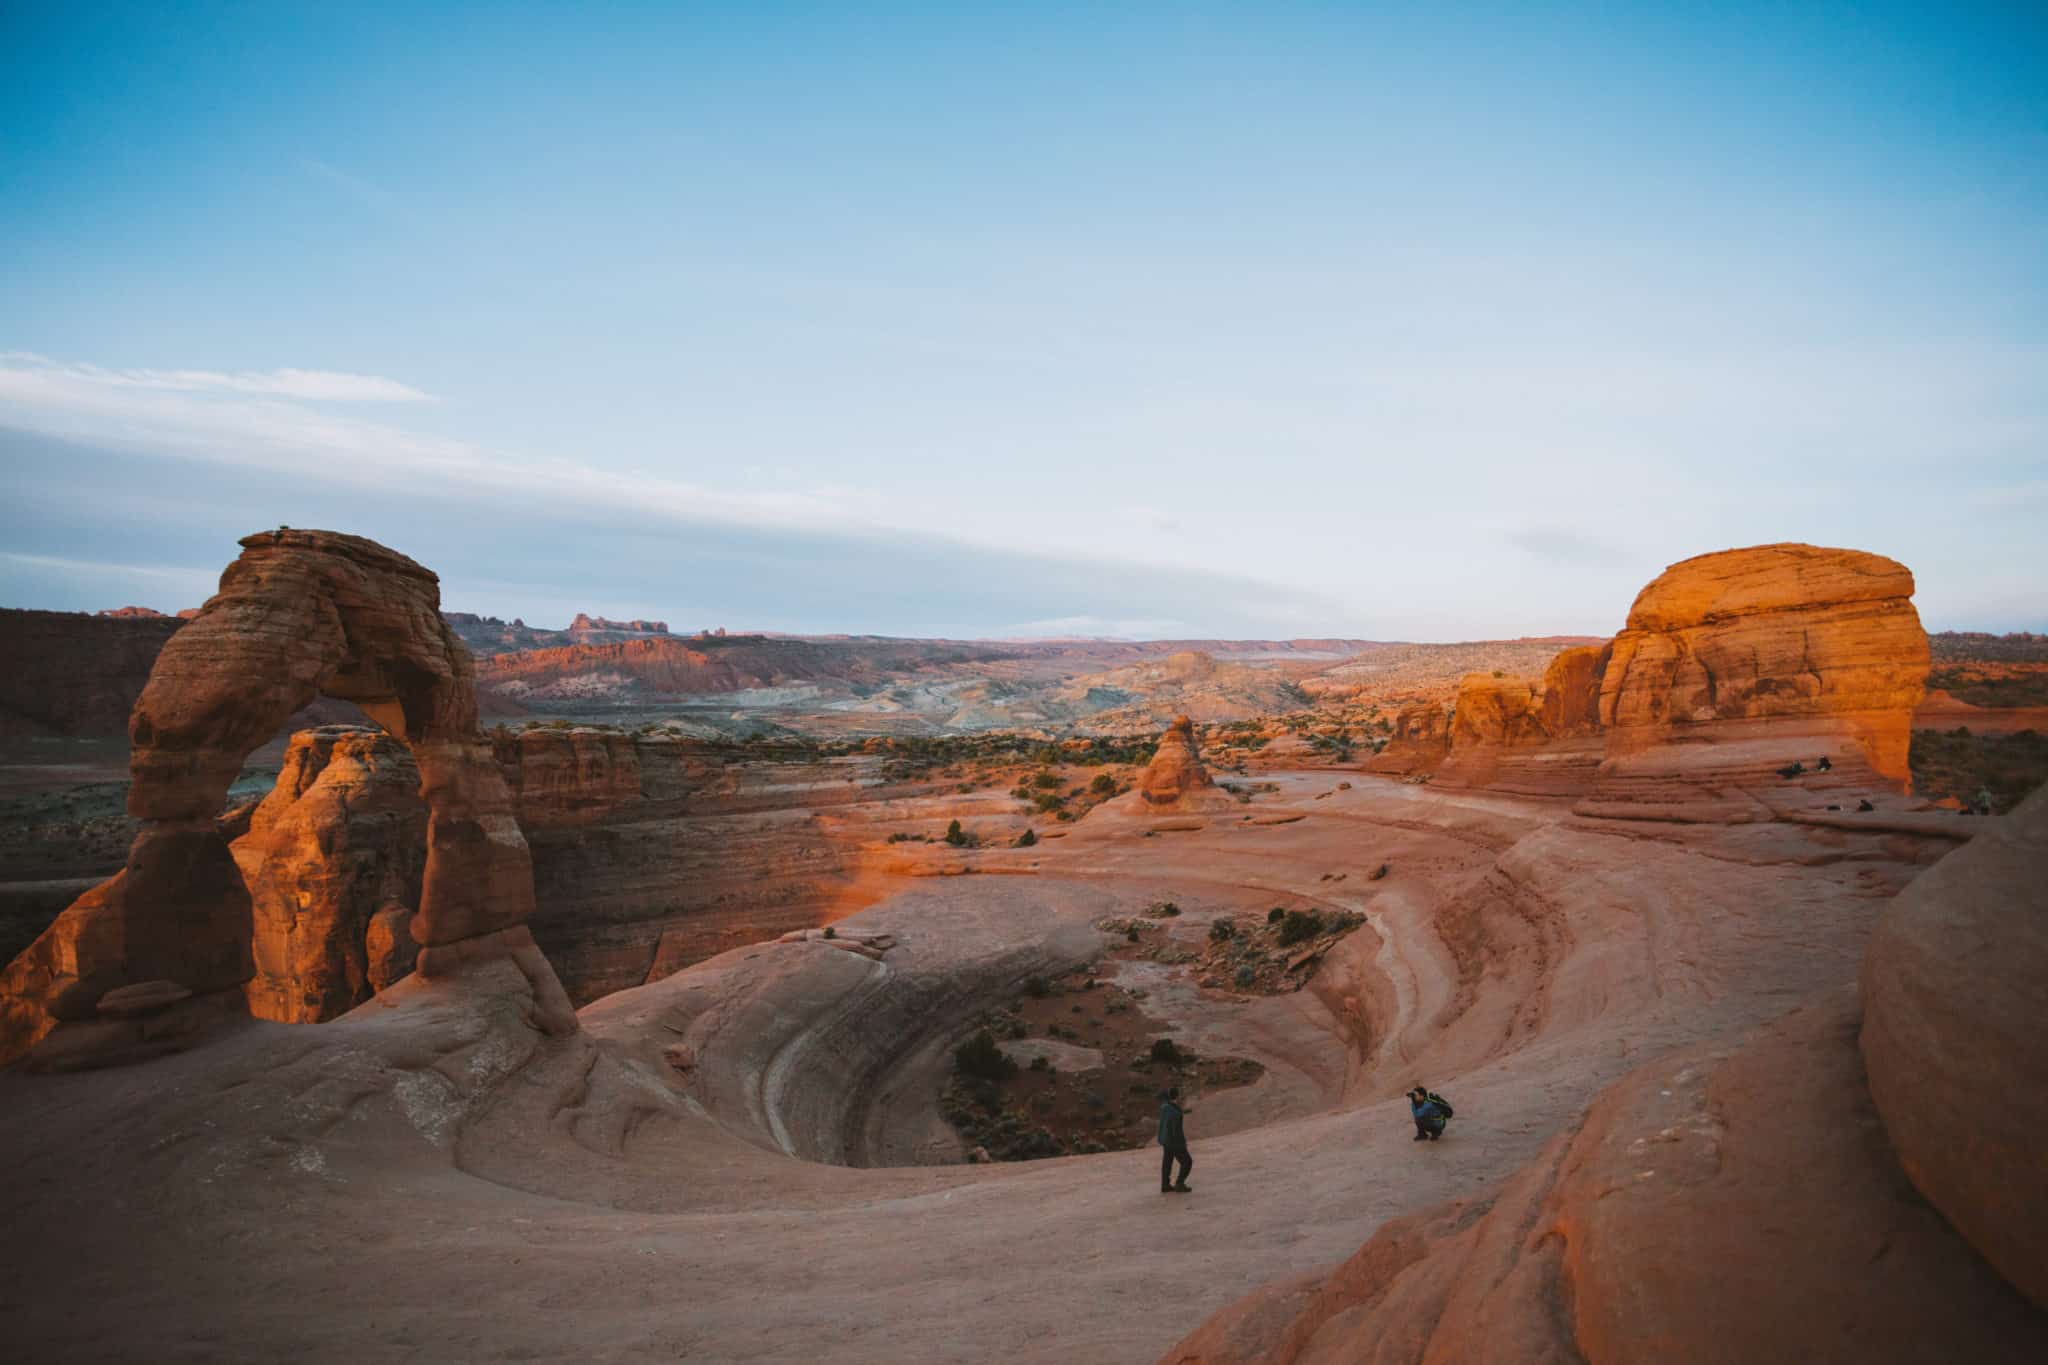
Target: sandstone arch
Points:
(300, 614)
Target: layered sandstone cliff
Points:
(1732, 663)
(568, 775)
(1421, 738)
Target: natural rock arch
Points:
(301, 614)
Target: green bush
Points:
(1103, 785)
(1037, 987)
(1046, 781)
(1222, 931)
(980, 1058)
(1299, 925)
(1245, 977)
(1276, 914)
(1026, 839)
(1163, 1050)
(955, 835)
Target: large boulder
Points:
(340, 840)
(1421, 738)
(1955, 999)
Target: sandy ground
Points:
(428, 1179)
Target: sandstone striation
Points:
(1791, 647)
(298, 615)
(72, 674)
(333, 861)
(1955, 994)
(1175, 779)
(568, 775)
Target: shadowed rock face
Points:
(1955, 995)
(1784, 633)
(299, 614)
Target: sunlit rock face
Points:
(1175, 779)
(1816, 642)
(299, 614)
(340, 841)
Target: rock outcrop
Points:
(586, 622)
(1175, 779)
(298, 615)
(70, 674)
(1732, 659)
(333, 861)
(568, 775)
(1571, 691)
(1421, 738)
(1955, 995)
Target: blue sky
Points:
(1403, 321)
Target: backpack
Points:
(1440, 1102)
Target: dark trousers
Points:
(1429, 1128)
(1166, 1160)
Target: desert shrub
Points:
(1048, 802)
(1298, 925)
(1163, 910)
(1103, 785)
(1065, 815)
(1046, 781)
(1040, 1063)
(1276, 914)
(1131, 934)
(1037, 987)
(1026, 839)
(1245, 977)
(955, 835)
(830, 932)
(1163, 1050)
(980, 1058)
(1222, 931)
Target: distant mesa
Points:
(585, 621)
(132, 613)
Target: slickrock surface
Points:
(1704, 1211)
(340, 840)
(1955, 998)
(1823, 643)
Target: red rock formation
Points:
(1789, 645)
(562, 775)
(132, 614)
(333, 861)
(584, 621)
(299, 614)
(1955, 995)
(1421, 738)
(1175, 778)
(1571, 690)
(1496, 710)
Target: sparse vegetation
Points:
(1298, 926)
(983, 1059)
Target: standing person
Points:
(1173, 1141)
(1429, 1117)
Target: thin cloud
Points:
(25, 368)
(1565, 547)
